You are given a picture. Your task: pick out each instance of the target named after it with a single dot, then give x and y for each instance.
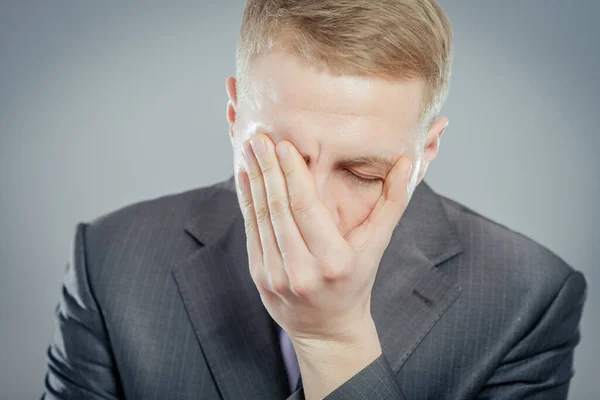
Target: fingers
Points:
(253, 242)
(318, 229)
(289, 239)
(271, 256)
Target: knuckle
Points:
(362, 246)
(257, 277)
(262, 214)
(279, 285)
(301, 287)
(301, 205)
(254, 175)
(277, 206)
(334, 270)
(267, 168)
(247, 202)
(261, 285)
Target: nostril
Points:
(306, 159)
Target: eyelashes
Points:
(362, 181)
(357, 179)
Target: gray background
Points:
(106, 103)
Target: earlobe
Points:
(230, 87)
(231, 113)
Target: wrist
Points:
(325, 364)
(363, 339)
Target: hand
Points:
(315, 283)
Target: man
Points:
(325, 267)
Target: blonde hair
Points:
(391, 39)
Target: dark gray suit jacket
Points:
(158, 303)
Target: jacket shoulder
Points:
(170, 205)
(144, 236)
(161, 214)
(502, 260)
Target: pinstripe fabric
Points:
(376, 381)
(158, 303)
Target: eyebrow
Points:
(381, 163)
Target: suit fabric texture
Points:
(158, 303)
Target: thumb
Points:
(377, 229)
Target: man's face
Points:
(345, 127)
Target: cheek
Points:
(355, 202)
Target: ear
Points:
(230, 86)
(432, 145)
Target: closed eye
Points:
(361, 180)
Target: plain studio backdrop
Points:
(107, 103)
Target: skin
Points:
(315, 231)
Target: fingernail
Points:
(243, 181)
(258, 145)
(282, 150)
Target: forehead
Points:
(281, 85)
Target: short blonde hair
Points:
(391, 39)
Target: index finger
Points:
(320, 233)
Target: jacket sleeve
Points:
(375, 382)
(540, 366)
(80, 362)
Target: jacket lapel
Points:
(410, 293)
(236, 333)
(238, 336)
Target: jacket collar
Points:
(236, 332)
